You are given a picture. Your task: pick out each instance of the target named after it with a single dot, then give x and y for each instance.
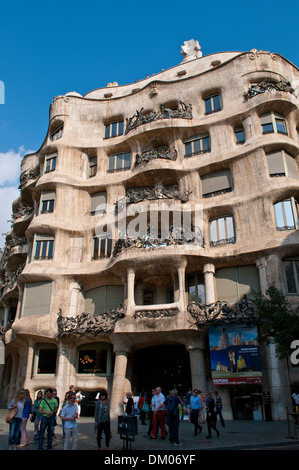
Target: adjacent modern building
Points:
(146, 220)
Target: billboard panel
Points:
(235, 355)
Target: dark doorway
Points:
(166, 366)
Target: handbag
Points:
(145, 407)
(10, 415)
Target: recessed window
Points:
(281, 163)
(92, 166)
(240, 135)
(119, 162)
(216, 183)
(57, 133)
(114, 129)
(212, 104)
(222, 231)
(273, 123)
(50, 162)
(197, 145)
(47, 202)
(47, 357)
(196, 288)
(102, 247)
(98, 202)
(292, 275)
(43, 247)
(286, 213)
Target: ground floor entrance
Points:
(167, 366)
(248, 403)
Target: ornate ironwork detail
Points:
(266, 86)
(161, 152)
(30, 175)
(88, 323)
(183, 111)
(136, 195)
(21, 211)
(177, 236)
(163, 313)
(221, 312)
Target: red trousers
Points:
(159, 417)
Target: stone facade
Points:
(215, 135)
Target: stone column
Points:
(118, 386)
(210, 291)
(13, 376)
(181, 278)
(197, 365)
(29, 365)
(130, 290)
(63, 375)
(74, 301)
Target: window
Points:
(36, 299)
(197, 145)
(103, 298)
(286, 213)
(282, 164)
(292, 275)
(92, 166)
(196, 288)
(119, 162)
(43, 247)
(57, 133)
(240, 135)
(216, 183)
(47, 202)
(47, 356)
(234, 282)
(212, 103)
(222, 231)
(114, 129)
(50, 162)
(273, 123)
(98, 202)
(102, 247)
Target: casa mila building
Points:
(147, 219)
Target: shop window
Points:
(47, 357)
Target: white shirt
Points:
(160, 399)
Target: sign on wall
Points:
(235, 355)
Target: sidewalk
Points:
(235, 435)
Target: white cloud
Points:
(10, 171)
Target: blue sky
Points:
(48, 49)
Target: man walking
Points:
(69, 415)
(195, 406)
(48, 409)
(159, 415)
(219, 408)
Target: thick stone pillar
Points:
(13, 376)
(119, 379)
(64, 376)
(181, 278)
(29, 365)
(210, 291)
(197, 365)
(75, 290)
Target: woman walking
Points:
(15, 425)
(211, 416)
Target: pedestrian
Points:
(79, 398)
(152, 401)
(15, 426)
(129, 409)
(172, 408)
(69, 415)
(211, 416)
(195, 407)
(38, 416)
(218, 410)
(48, 409)
(102, 419)
(202, 410)
(143, 406)
(54, 440)
(159, 415)
(63, 404)
(27, 411)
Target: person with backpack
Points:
(172, 403)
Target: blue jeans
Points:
(46, 423)
(14, 430)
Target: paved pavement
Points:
(236, 435)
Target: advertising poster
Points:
(235, 355)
